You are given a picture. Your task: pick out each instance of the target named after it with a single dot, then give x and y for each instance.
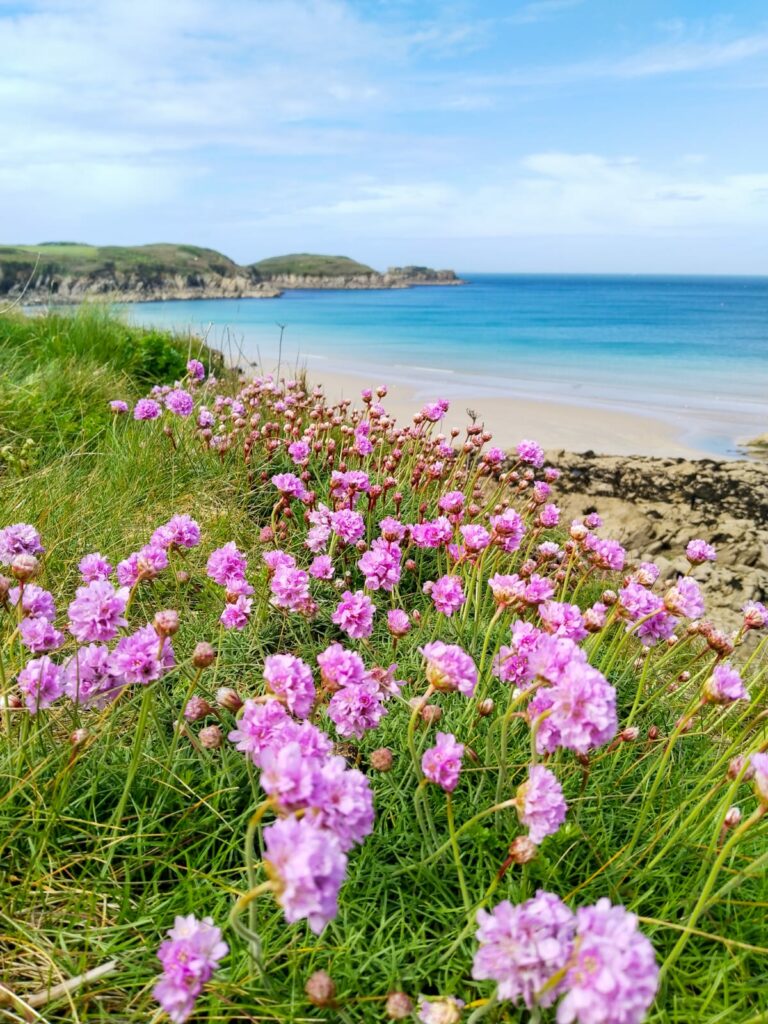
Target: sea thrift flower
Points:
(538, 589)
(146, 409)
(475, 537)
(354, 614)
(615, 976)
(196, 370)
(755, 615)
(581, 711)
(452, 503)
(343, 802)
(508, 530)
(97, 612)
(391, 529)
(381, 565)
(685, 598)
(356, 709)
(507, 589)
(290, 589)
(432, 534)
(348, 525)
(724, 685)
(289, 485)
(291, 679)
(226, 564)
(299, 452)
(260, 726)
(523, 947)
(434, 411)
(39, 635)
(179, 402)
(89, 677)
(530, 452)
(94, 567)
(321, 567)
(340, 667)
(398, 622)
(699, 551)
(606, 554)
(35, 602)
(181, 531)
(19, 539)
(758, 766)
(449, 667)
(117, 405)
(307, 865)
(447, 593)
(541, 806)
(142, 657)
(446, 1010)
(275, 560)
(236, 614)
(442, 763)
(41, 683)
(562, 619)
(549, 516)
(189, 956)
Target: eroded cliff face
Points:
(51, 287)
(655, 506)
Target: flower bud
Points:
(732, 817)
(578, 531)
(5, 586)
(522, 850)
(182, 576)
(398, 1006)
(320, 989)
(25, 567)
(431, 713)
(653, 732)
(197, 708)
(166, 622)
(228, 698)
(381, 759)
(266, 535)
(736, 766)
(629, 734)
(78, 737)
(211, 737)
(609, 597)
(485, 707)
(203, 655)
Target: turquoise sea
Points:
(693, 351)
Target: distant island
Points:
(69, 272)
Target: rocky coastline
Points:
(655, 506)
(51, 287)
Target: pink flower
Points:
(561, 619)
(698, 551)
(432, 534)
(549, 516)
(289, 485)
(89, 678)
(755, 615)
(196, 370)
(290, 589)
(441, 764)
(142, 657)
(38, 635)
(291, 679)
(321, 567)
(724, 685)
(41, 683)
(340, 667)
(35, 602)
(541, 806)
(117, 405)
(524, 947)
(381, 565)
(356, 709)
(614, 978)
(449, 667)
(476, 538)
(236, 614)
(308, 865)
(507, 589)
(581, 711)
(19, 539)
(181, 531)
(605, 554)
(94, 567)
(277, 560)
(398, 622)
(146, 409)
(97, 612)
(434, 411)
(189, 956)
(226, 564)
(179, 402)
(299, 452)
(348, 525)
(354, 614)
(532, 453)
(447, 593)
(452, 503)
(685, 598)
(508, 530)
(343, 802)
(391, 529)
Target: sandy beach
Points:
(554, 424)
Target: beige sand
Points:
(552, 424)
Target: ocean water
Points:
(693, 351)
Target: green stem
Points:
(456, 853)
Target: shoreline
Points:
(553, 423)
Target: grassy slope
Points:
(75, 892)
(309, 264)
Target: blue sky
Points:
(548, 135)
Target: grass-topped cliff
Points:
(66, 272)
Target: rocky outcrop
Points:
(655, 506)
(395, 277)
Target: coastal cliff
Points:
(67, 273)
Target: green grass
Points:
(78, 890)
(311, 265)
